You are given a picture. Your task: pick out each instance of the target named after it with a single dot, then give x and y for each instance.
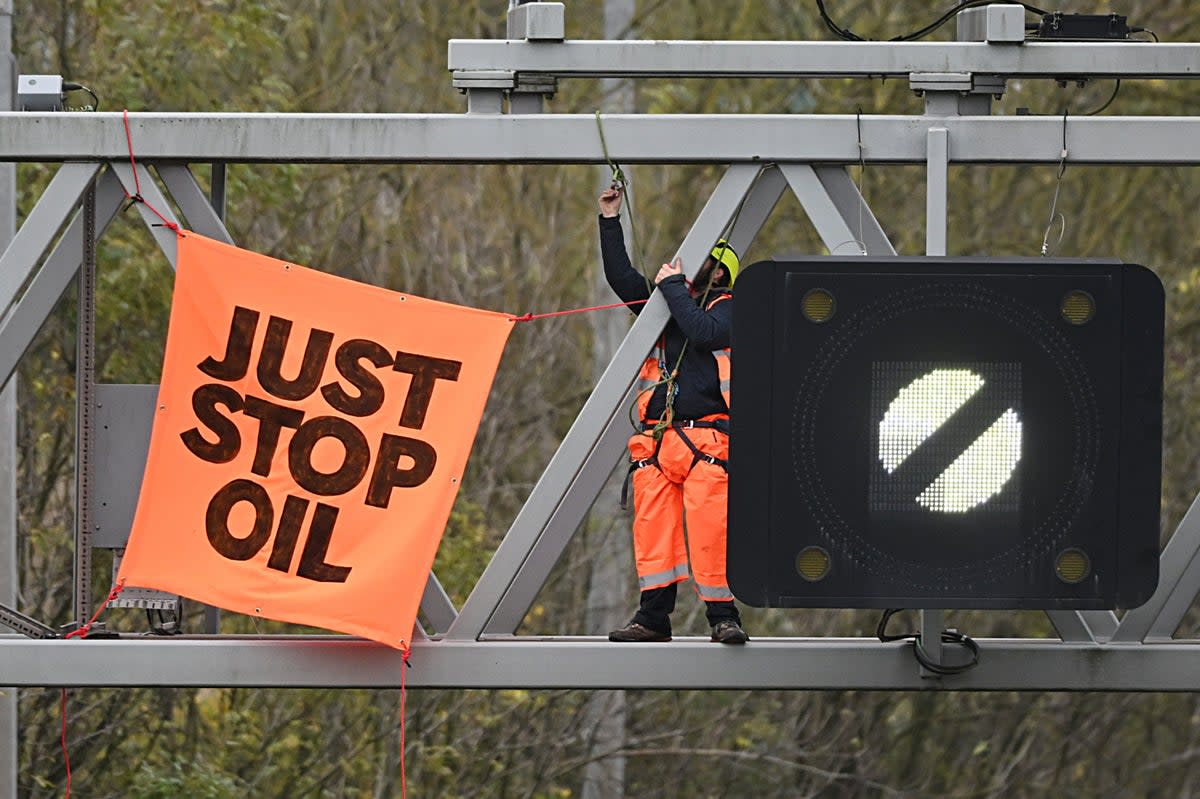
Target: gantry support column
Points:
(8, 424)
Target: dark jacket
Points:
(697, 385)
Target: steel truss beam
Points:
(476, 648)
(574, 139)
(696, 59)
(536, 662)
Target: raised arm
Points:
(708, 329)
(629, 284)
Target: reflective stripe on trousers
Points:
(711, 593)
(659, 579)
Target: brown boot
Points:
(636, 632)
(729, 632)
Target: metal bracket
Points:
(25, 625)
(144, 598)
(537, 22)
(997, 23)
(531, 89)
(484, 89)
(487, 88)
(957, 93)
(961, 82)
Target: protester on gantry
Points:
(678, 458)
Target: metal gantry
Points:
(765, 155)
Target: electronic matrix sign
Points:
(955, 433)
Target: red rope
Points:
(527, 317)
(137, 183)
(403, 692)
(81, 632)
(66, 755)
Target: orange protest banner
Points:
(310, 437)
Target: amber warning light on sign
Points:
(959, 433)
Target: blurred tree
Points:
(523, 239)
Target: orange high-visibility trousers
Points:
(671, 485)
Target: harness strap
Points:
(698, 456)
(721, 425)
(633, 467)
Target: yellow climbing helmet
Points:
(723, 254)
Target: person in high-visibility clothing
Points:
(678, 458)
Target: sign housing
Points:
(957, 433)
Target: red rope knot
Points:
(524, 318)
(82, 631)
(137, 182)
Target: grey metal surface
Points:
(701, 59)
(932, 623)
(853, 207)
(485, 101)
(572, 138)
(1178, 583)
(686, 663)
(1083, 625)
(41, 228)
(18, 329)
(199, 211)
(142, 598)
(594, 417)
(9, 580)
(833, 229)
(144, 183)
(219, 188)
(996, 23)
(1071, 626)
(40, 92)
(537, 21)
(747, 141)
(1103, 623)
(124, 416)
(565, 520)
(756, 208)
(85, 410)
(936, 187)
(436, 605)
(25, 625)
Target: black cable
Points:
(947, 637)
(849, 35)
(843, 33)
(79, 87)
(1144, 30)
(160, 624)
(1107, 102)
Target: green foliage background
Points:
(523, 238)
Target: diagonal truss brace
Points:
(29, 313)
(37, 233)
(30, 310)
(589, 431)
(574, 477)
(1178, 585)
(835, 206)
